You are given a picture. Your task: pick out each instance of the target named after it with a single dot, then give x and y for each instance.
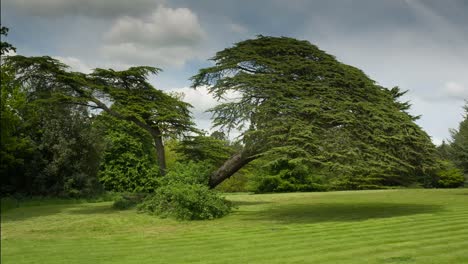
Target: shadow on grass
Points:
(339, 212)
(96, 209)
(247, 203)
(25, 213)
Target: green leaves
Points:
(294, 100)
(126, 95)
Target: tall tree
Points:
(46, 148)
(132, 97)
(459, 144)
(299, 105)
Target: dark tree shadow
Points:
(96, 209)
(28, 212)
(247, 203)
(24, 213)
(338, 212)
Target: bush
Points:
(186, 202)
(237, 183)
(183, 194)
(188, 172)
(448, 176)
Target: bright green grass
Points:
(365, 227)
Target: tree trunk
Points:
(230, 166)
(159, 146)
(154, 131)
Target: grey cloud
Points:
(174, 36)
(92, 8)
(75, 64)
(165, 26)
(166, 37)
(136, 54)
(419, 45)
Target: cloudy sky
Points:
(419, 45)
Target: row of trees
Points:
(307, 122)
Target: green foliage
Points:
(16, 147)
(186, 202)
(132, 97)
(298, 103)
(242, 181)
(444, 151)
(459, 144)
(128, 163)
(47, 148)
(448, 175)
(188, 173)
(5, 47)
(204, 148)
(289, 176)
(72, 150)
(183, 194)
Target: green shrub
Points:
(188, 172)
(186, 202)
(449, 176)
(236, 183)
(183, 193)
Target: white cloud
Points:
(75, 64)
(199, 98)
(167, 37)
(455, 90)
(201, 102)
(165, 26)
(92, 8)
(138, 54)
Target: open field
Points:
(392, 226)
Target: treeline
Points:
(308, 122)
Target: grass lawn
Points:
(391, 226)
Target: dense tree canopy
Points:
(310, 123)
(299, 106)
(46, 147)
(132, 97)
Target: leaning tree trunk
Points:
(230, 166)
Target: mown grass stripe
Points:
(253, 234)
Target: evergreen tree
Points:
(301, 107)
(459, 143)
(132, 97)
